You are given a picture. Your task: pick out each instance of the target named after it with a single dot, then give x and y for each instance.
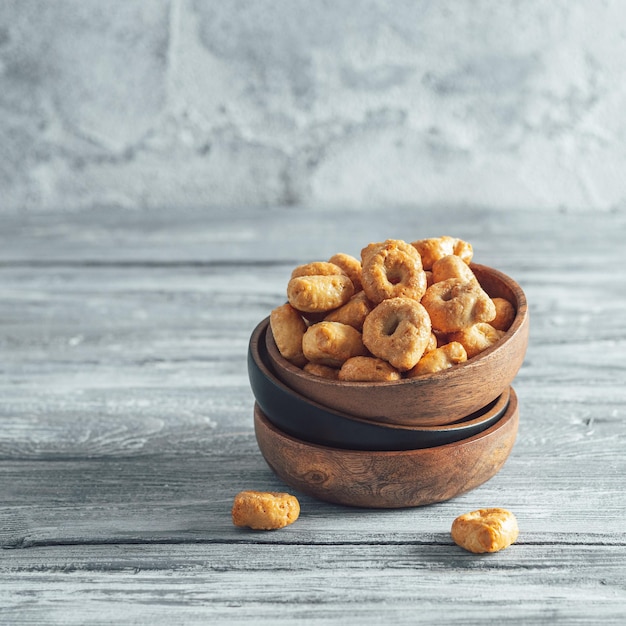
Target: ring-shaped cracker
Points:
(505, 314)
(264, 510)
(435, 248)
(353, 312)
(477, 338)
(317, 268)
(350, 266)
(392, 269)
(432, 343)
(454, 304)
(332, 343)
(368, 369)
(288, 328)
(452, 266)
(440, 359)
(319, 293)
(398, 331)
(323, 371)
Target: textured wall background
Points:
(162, 103)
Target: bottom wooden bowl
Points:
(388, 480)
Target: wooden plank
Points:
(177, 499)
(240, 583)
(511, 239)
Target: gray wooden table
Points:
(126, 429)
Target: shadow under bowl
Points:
(433, 399)
(384, 479)
(310, 421)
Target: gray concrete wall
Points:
(163, 103)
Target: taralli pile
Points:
(485, 530)
(403, 310)
(265, 510)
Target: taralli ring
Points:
(452, 266)
(332, 343)
(439, 359)
(288, 328)
(264, 510)
(454, 304)
(368, 369)
(477, 338)
(485, 530)
(317, 268)
(319, 293)
(398, 331)
(392, 269)
(505, 314)
(323, 371)
(435, 248)
(350, 265)
(353, 312)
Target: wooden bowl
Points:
(308, 420)
(433, 399)
(388, 480)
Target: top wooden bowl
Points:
(433, 399)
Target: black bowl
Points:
(305, 419)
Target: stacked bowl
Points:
(391, 444)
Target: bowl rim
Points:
(257, 350)
(521, 315)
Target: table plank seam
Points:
(25, 544)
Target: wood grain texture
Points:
(126, 428)
(238, 584)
